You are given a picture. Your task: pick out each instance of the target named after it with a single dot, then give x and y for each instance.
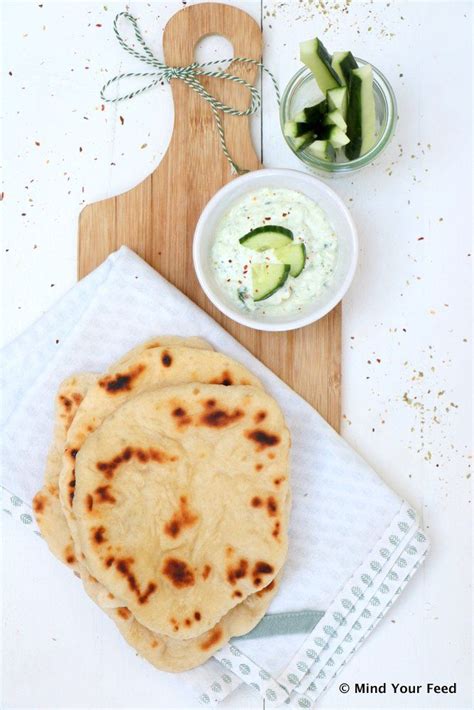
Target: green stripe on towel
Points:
(285, 623)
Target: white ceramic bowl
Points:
(338, 216)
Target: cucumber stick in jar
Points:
(360, 113)
(343, 64)
(313, 115)
(314, 54)
(337, 100)
(322, 150)
(295, 129)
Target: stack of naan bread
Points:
(167, 492)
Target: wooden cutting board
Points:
(157, 217)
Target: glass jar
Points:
(302, 91)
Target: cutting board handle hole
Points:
(213, 47)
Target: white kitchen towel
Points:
(353, 542)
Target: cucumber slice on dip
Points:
(268, 278)
(268, 237)
(294, 255)
(314, 54)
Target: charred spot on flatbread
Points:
(166, 359)
(238, 571)
(108, 468)
(224, 379)
(262, 438)
(39, 503)
(261, 568)
(182, 518)
(178, 572)
(124, 568)
(121, 381)
(212, 638)
(219, 418)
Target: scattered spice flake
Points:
(37, 143)
(122, 120)
(145, 145)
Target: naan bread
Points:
(163, 652)
(46, 504)
(176, 655)
(156, 367)
(181, 503)
(162, 342)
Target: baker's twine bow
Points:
(189, 74)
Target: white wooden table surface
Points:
(406, 333)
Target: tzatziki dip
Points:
(275, 251)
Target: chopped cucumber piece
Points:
(335, 118)
(294, 255)
(304, 140)
(343, 63)
(295, 129)
(322, 150)
(337, 99)
(313, 114)
(334, 134)
(315, 55)
(361, 113)
(268, 237)
(268, 278)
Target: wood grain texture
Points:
(157, 218)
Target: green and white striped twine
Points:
(189, 75)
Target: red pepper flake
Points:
(37, 143)
(2, 195)
(420, 239)
(122, 120)
(98, 24)
(102, 107)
